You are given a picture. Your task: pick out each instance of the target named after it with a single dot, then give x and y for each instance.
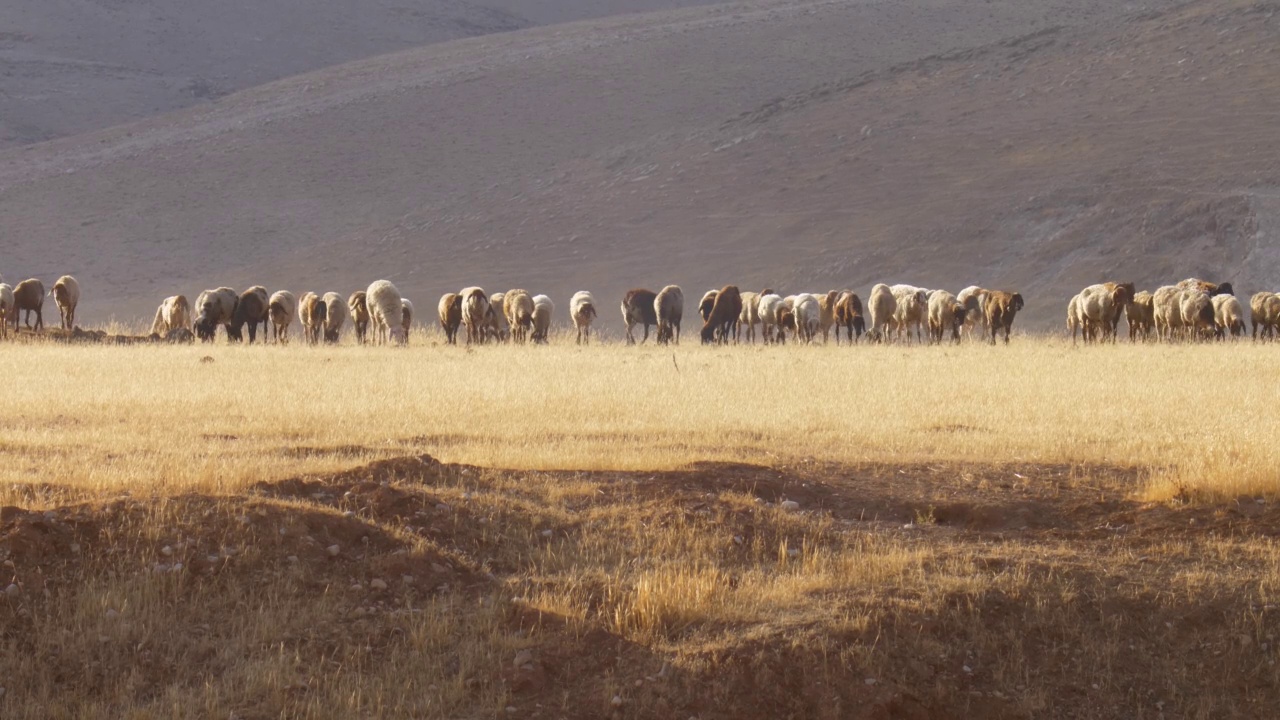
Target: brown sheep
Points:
(518, 306)
(450, 310)
(707, 302)
(1001, 309)
(66, 294)
(724, 314)
(637, 309)
(253, 308)
(850, 317)
(359, 307)
(1141, 314)
(1264, 311)
(6, 307)
(1210, 289)
(29, 297)
(312, 312)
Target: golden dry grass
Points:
(155, 419)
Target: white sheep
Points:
(214, 308)
(475, 313)
(1075, 321)
(66, 294)
(582, 308)
(497, 327)
(386, 311)
(406, 317)
(769, 306)
(883, 306)
(6, 308)
(945, 313)
(1167, 312)
(911, 310)
(337, 312)
(750, 315)
(281, 309)
(173, 313)
(808, 316)
(974, 300)
(543, 309)
(1228, 316)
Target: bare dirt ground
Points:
(1033, 146)
(957, 591)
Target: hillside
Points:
(72, 66)
(1037, 146)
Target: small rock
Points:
(349, 513)
(166, 550)
(639, 683)
(870, 681)
(547, 533)
(438, 568)
(333, 550)
(789, 505)
(378, 584)
(738, 540)
(1, 691)
(524, 657)
(112, 613)
(616, 701)
(358, 612)
(75, 547)
(12, 590)
(357, 587)
(511, 710)
(967, 669)
(407, 579)
(442, 507)
(177, 566)
(212, 558)
(292, 558)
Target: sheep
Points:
(450, 311)
(174, 312)
(638, 309)
(543, 309)
(386, 311)
(283, 306)
(974, 300)
(336, 314)
(750, 316)
(406, 317)
(1264, 311)
(475, 313)
(808, 317)
(312, 312)
(1101, 306)
(29, 297)
(882, 306)
(1140, 313)
(359, 306)
(724, 313)
(582, 310)
(1210, 289)
(214, 308)
(66, 294)
(827, 304)
(1228, 316)
(945, 312)
(496, 327)
(707, 302)
(770, 329)
(1001, 308)
(849, 316)
(252, 307)
(519, 309)
(1075, 321)
(6, 307)
(1196, 308)
(912, 310)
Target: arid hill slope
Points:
(1036, 146)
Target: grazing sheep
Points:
(1196, 308)
(750, 316)
(312, 313)
(912, 310)
(1140, 313)
(519, 309)
(214, 308)
(336, 314)
(282, 308)
(638, 309)
(883, 306)
(1228, 316)
(66, 294)
(252, 307)
(974, 300)
(1001, 309)
(849, 316)
(6, 307)
(406, 317)
(582, 311)
(1208, 288)
(496, 326)
(450, 311)
(827, 304)
(29, 297)
(1166, 312)
(174, 312)
(386, 311)
(707, 302)
(359, 306)
(1264, 312)
(543, 309)
(724, 313)
(475, 313)
(1101, 306)
(1075, 321)
(771, 306)
(808, 317)
(945, 312)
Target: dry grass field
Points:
(436, 532)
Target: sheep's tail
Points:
(155, 324)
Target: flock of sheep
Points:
(1190, 309)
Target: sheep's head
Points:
(1015, 302)
(1224, 289)
(234, 331)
